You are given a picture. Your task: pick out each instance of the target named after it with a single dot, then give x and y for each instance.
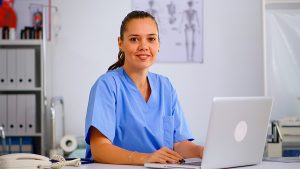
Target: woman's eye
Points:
(133, 39)
(152, 39)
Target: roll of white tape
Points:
(68, 143)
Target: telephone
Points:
(24, 161)
(34, 161)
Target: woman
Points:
(134, 115)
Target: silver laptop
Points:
(236, 134)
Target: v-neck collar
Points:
(135, 88)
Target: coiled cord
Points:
(62, 162)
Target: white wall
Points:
(87, 45)
(282, 61)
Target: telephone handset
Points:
(34, 161)
(24, 160)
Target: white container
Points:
(1, 29)
(12, 33)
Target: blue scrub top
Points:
(118, 110)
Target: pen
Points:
(181, 161)
(82, 160)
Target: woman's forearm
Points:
(103, 151)
(108, 153)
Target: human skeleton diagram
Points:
(152, 10)
(171, 10)
(191, 24)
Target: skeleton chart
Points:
(180, 28)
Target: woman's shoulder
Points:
(162, 79)
(109, 77)
(158, 76)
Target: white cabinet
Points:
(22, 97)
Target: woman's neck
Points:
(138, 77)
(140, 80)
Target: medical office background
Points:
(242, 42)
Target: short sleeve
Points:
(101, 108)
(181, 129)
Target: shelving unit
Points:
(288, 144)
(290, 140)
(22, 92)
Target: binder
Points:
(11, 68)
(3, 68)
(30, 114)
(26, 145)
(15, 146)
(4, 148)
(30, 67)
(3, 111)
(21, 113)
(11, 114)
(21, 69)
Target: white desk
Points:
(263, 165)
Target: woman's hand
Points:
(188, 149)
(164, 156)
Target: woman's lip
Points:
(143, 56)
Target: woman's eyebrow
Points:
(133, 35)
(152, 34)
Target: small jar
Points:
(12, 33)
(5, 32)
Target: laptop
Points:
(236, 134)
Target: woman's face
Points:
(140, 44)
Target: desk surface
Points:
(263, 165)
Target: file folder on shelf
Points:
(15, 145)
(30, 67)
(21, 69)
(3, 68)
(26, 145)
(31, 114)
(11, 114)
(21, 113)
(4, 148)
(11, 68)
(3, 112)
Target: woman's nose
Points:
(143, 45)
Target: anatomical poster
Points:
(180, 25)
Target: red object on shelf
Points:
(8, 16)
(38, 19)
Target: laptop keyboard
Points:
(193, 163)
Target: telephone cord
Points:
(62, 162)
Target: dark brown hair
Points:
(130, 16)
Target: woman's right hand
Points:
(164, 156)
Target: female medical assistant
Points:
(118, 110)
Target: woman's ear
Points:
(120, 43)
